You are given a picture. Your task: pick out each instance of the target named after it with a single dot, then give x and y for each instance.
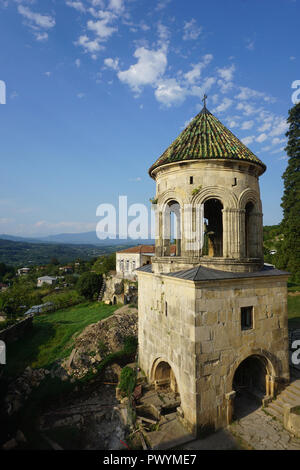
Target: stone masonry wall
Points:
(201, 337)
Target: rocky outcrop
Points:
(20, 389)
(100, 339)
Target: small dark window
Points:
(247, 318)
(234, 182)
(191, 180)
(166, 308)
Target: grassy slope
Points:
(53, 335)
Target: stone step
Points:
(287, 398)
(295, 385)
(293, 392)
(274, 411)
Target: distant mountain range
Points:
(86, 238)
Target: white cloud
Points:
(169, 92)
(226, 103)
(277, 141)
(162, 4)
(248, 140)
(265, 127)
(281, 149)
(247, 93)
(89, 45)
(36, 20)
(112, 63)
(77, 63)
(247, 109)
(261, 138)
(101, 28)
(41, 36)
(226, 73)
(77, 5)
(280, 126)
(190, 30)
(196, 70)
(292, 57)
(80, 95)
(247, 125)
(150, 66)
(250, 45)
(116, 5)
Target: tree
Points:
(289, 255)
(104, 264)
(89, 285)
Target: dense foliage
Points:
(127, 380)
(89, 284)
(104, 264)
(289, 254)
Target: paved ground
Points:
(262, 432)
(252, 429)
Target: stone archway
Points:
(164, 377)
(171, 227)
(213, 242)
(249, 384)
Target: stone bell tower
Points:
(212, 317)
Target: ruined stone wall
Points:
(120, 290)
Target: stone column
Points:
(230, 405)
(231, 233)
(242, 233)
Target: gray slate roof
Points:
(200, 273)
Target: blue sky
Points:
(97, 90)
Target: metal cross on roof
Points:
(204, 100)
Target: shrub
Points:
(127, 380)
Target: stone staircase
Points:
(290, 395)
(102, 290)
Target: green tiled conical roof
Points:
(206, 138)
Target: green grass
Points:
(293, 287)
(294, 308)
(53, 335)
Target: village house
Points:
(23, 271)
(46, 280)
(128, 260)
(66, 269)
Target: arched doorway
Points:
(213, 236)
(249, 383)
(114, 300)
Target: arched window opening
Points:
(213, 228)
(250, 231)
(172, 229)
(249, 382)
